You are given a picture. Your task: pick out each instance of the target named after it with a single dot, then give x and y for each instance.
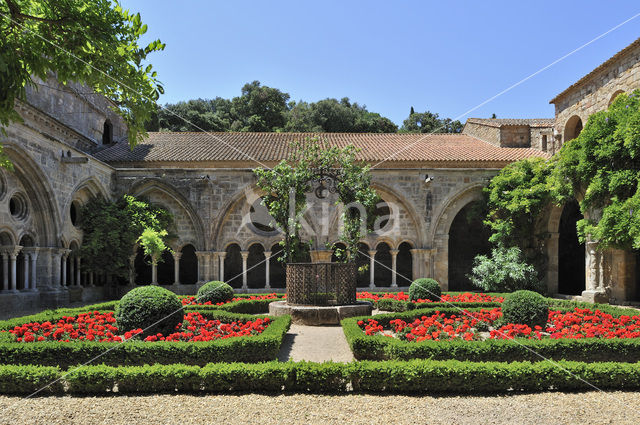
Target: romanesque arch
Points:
(188, 265)
(233, 265)
(571, 253)
(189, 227)
(572, 128)
(613, 96)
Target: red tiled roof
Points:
(201, 148)
(502, 122)
(602, 66)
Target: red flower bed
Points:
(466, 297)
(580, 323)
(191, 300)
(96, 326)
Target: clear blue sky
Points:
(444, 56)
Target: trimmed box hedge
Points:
(257, 348)
(387, 377)
(378, 347)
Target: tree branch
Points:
(14, 9)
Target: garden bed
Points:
(399, 301)
(208, 336)
(603, 334)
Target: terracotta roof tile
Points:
(502, 122)
(205, 148)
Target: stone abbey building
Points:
(70, 147)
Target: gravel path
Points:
(316, 344)
(542, 408)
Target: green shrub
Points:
(526, 308)
(152, 307)
(504, 271)
(215, 292)
(424, 289)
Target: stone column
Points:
(55, 255)
(552, 267)
(33, 255)
(215, 265)
(394, 262)
(78, 281)
(154, 271)
(372, 262)
(132, 269)
(13, 255)
(72, 269)
(176, 267)
(594, 290)
(5, 271)
(221, 256)
(267, 284)
(25, 263)
(202, 267)
(245, 255)
(91, 279)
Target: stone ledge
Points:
(319, 315)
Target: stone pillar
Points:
(132, 269)
(154, 271)
(594, 289)
(78, 281)
(33, 255)
(13, 255)
(91, 279)
(267, 284)
(394, 262)
(5, 271)
(72, 269)
(372, 262)
(215, 265)
(26, 270)
(221, 256)
(441, 260)
(552, 266)
(176, 267)
(245, 255)
(55, 255)
(202, 265)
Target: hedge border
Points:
(258, 348)
(377, 347)
(390, 377)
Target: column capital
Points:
(267, 254)
(15, 251)
(372, 252)
(244, 254)
(176, 255)
(394, 252)
(222, 254)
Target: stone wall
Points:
(490, 134)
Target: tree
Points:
(286, 185)
(259, 108)
(429, 122)
(90, 42)
(111, 229)
(153, 245)
(601, 169)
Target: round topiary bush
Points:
(525, 308)
(215, 292)
(424, 289)
(144, 306)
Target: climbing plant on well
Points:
(111, 229)
(286, 186)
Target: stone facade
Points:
(215, 204)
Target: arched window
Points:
(256, 267)
(142, 267)
(277, 275)
(188, 265)
(613, 97)
(233, 266)
(166, 269)
(261, 220)
(382, 275)
(404, 265)
(573, 128)
(571, 253)
(107, 133)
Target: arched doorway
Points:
(233, 266)
(383, 272)
(256, 267)
(571, 253)
(188, 265)
(166, 269)
(142, 267)
(572, 128)
(468, 237)
(404, 265)
(277, 275)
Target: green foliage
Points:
(601, 167)
(152, 243)
(526, 308)
(515, 197)
(286, 185)
(414, 377)
(38, 38)
(424, 289)
(504, 271)
(429, 122)
(110, 230)
(258, 348)
(29, 379)
(151, 308)
(215, 292)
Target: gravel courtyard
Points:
(542, 408)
